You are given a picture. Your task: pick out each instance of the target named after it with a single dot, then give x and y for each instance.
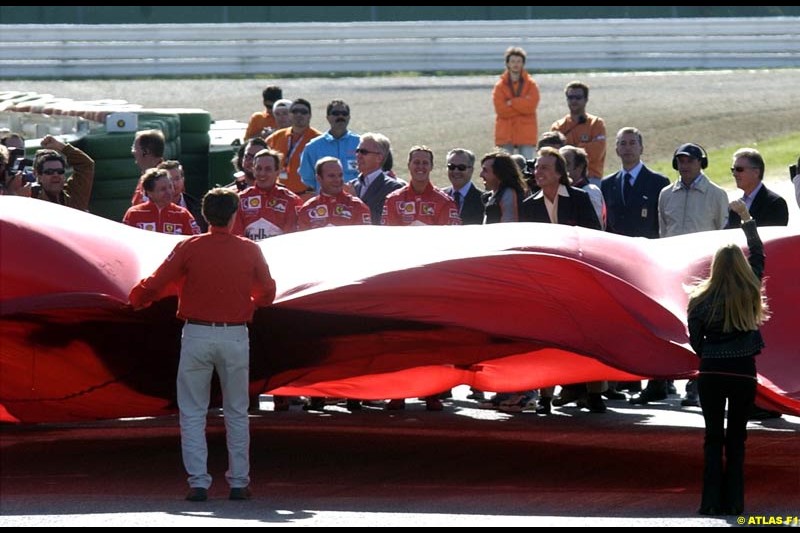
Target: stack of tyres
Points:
(116, 174)
(194, 126)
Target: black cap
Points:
(690, 149)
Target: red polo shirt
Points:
(220, 278)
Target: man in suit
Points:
(557, 202)
(631, 196)
(766, 207)
(460, 166)
(638, 216)
(372, 185)
(180, 196)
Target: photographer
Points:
(793, 175)
(49, 168)
(12, 174)
(4, 160)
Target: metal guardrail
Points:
(84, 51)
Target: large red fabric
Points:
(369, 312)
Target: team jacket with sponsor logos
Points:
(173, 219)
(266, 213)
(340, 210)
(404, 207)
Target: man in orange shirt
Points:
(584, 130)
(291, 142)
(516, 97)
(216, 309)
(262, 123)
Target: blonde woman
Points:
(725, 313)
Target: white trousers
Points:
(203, 349)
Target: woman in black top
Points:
(725, 313)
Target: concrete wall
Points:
(103, 50)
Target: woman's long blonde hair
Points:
(733, 290)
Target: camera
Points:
(530, 166)
(792, 171)
(23, 165)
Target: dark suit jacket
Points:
(376, 193)
(767, 208)
(640, 219)
(471, 205)
(194, 207)
(573, 210)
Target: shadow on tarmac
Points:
(463, 466)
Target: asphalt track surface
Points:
(632, 466)
(464, 466)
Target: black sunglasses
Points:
(739, 169)
(462, 168)
(340, 113)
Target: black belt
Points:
(215, 324)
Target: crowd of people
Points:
(291, 177)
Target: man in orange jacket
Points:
(516, 97)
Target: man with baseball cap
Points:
(693, 203)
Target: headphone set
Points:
(692, 150)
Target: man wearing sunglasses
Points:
(338, 142)
(290, 142)
(460, 166)
(49, 169)
(766, 207)
(583, 129)
(372, 184)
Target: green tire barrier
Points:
(195, 168)
(119, 189)
(172, 149)
(169, 124)
(194, 121)
(108, 145)
(220, 169)
(113, 209)
(114, 169)
(195, 143)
